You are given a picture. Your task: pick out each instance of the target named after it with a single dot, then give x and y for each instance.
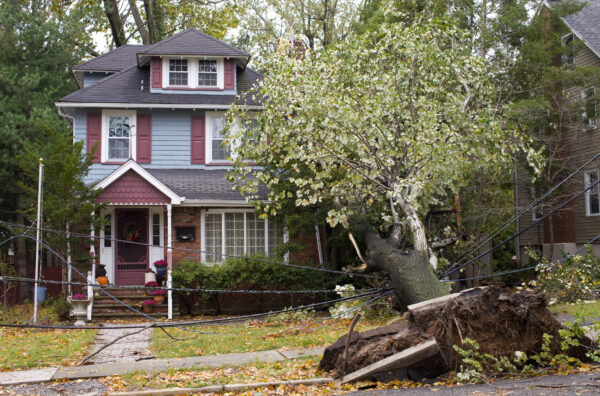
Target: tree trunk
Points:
(111, 8)
(21, 259)
(411, 274)
(417, 228)
(139, 22)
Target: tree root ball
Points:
(501, 322)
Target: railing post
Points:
(169, 263)
(90, 294)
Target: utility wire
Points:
(533, 224)
(182, 289)
(207, 322)
(597, 237)
(198, 251)
(527, 209)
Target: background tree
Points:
(393, 121)
(68, 203)
(38, 47)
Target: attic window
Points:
(207, 73)
(178, 72)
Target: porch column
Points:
(92, 273)
(169, 263)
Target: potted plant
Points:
(150, 285)
(101, 275)
(79, 302)
(159, 295)
(161, 267)
(148, 305)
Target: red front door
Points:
(132, 248)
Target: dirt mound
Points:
(500, 321)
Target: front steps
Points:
(107, 308)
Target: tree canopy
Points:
(392, 120)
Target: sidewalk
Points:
(152, 365)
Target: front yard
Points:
(253, 336)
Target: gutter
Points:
(153, 106)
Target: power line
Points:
(531, 267)
(208, 322)
(182, 289)
(533, 224)
(527, 209)
(198, 251)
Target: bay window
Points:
(239, 233)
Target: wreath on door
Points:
(133, 232)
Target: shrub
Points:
(254, 273)
(575, 278)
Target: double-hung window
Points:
(239, 233)
(218, 151)
(178, 72)
(207, 73)
(589, 115)
(118, 135)
(592, 196)
(568, 50)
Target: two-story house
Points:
(154, 116)
(579, 221)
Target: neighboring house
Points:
(155, 116)
(579, 221)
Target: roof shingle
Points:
(587, 24)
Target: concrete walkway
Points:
(152, 365)
(134, 345)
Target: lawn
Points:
(32, 348)
(583, 309)
(253, 336)
(36, 348)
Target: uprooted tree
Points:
(386, 124)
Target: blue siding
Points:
(171, 140)
(92, 78)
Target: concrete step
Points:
(130, 314)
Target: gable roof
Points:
(116, 60)
(193, 42)
(126, 88)
(584, 24)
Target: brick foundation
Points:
(184, 250)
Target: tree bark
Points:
(139, 22)
(416, 226)
(21, 259)
(111, 8)
(411, 274)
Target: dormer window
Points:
(193, 73)
(178, 72)
(207, 73)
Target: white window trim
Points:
(193, 73)
(132, 134)
(589, 192)
(591, 123)
(209, 116)
(563, 42)
(205, 212)
(534, 196)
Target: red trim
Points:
(175, 88)
(144, 139)
(198, 138)
(114, 162)
(229, 71)
(94, 134)
(156, 72)
(220, 163)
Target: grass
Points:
(581, 309)
(253, 336)
(35, 348)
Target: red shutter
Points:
(229, 74)
(144, 138)
(198, 138)
(156, 72)
(94, 135)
